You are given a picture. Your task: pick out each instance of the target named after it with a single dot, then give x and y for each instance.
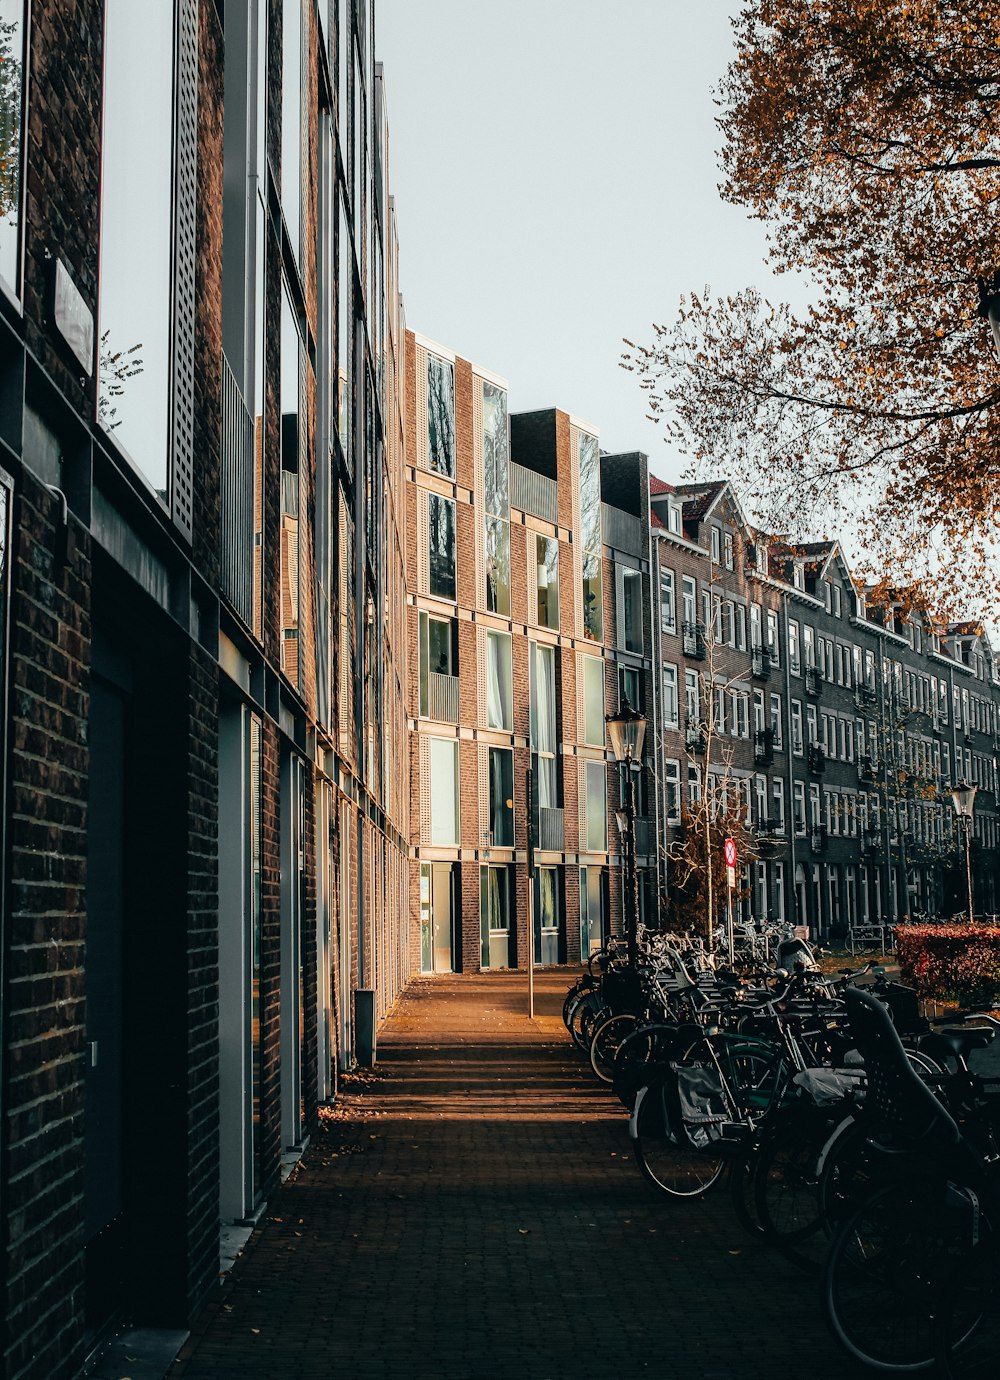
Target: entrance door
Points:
(437, 917)
(591, 911)
(494, 885)
(547, 916)
(104, 1199)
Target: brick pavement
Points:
(474, 1211)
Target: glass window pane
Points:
(289, 390)
(11, 103)
(547, 580)
(499, 710)
(593, 700)
(443, 754)
(590, 494)
(597, 808)
(441, 415)
(345, 318)
(632, 610)
(441, 526)
(543, 699)
(291, 119)
(495, 451)
(137, 232)
(501, 797)
(497, 565)
(593, 611)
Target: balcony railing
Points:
(816, 759)
(814, 680)
(866, 769)
(871, 842)
(694, 734)
(237, 484)
(818, 838)
(534, 493)
(643, 836)
(622, 530)
(763, 747)
(864, 697)
(760, 664)
(551, 829)
(442, 698)
(693, 640)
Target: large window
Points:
(441, 415)
(443, 758)
(590, 537)
(668, 601)
(671, 710)
(499, 698)
(11, 139)
(672, 790)
(542, 699)
(438, 668)
(501, 797)
(596, 807)
(593, 700)
(632, 610)
(441, 529)
(547, 581)
(137, 232)
(290, 427)
(496, 494)
(291, 120)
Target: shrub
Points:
(956, 962)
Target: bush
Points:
(951, 962)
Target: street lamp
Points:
(963, 797)
(989, 305)
(627, 730)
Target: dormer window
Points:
(674, 518)
(762, 557)
(798, 575)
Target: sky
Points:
(556, 182)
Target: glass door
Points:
(547, 916)
(495, 916)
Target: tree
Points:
(865, 134)
(10, 118)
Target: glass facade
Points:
(12, 30)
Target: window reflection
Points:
(547, 581)
(290, 424)
(11, 102)
(497, 565)
(137, 232)
(291, 118)
(590, 537)
(441, 415)
(441, 528)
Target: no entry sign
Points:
(729, 853)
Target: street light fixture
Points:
(963, 797)
(989, 305)
(627, 730)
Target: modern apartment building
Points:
(206, 831)
(837, 724)
(516, 583)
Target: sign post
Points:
(729, 853)
(529, 816)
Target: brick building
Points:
(206, 829)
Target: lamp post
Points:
(989, 305)
(627, 730)
(963, 796)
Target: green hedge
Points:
(951, 962)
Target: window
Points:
(542, 722)
(743, 714)
(547, 581)
(593, 700)
(671, 717)
(499, 707)
(498, 565)
(590, 536)
(811, 723)
(797, 728)
(441, 528)
(291, 427)
(741, 628)
(808, 646)
(779, 892)
(694, 784)
(718, 632)
(773, 646)
(793, 647)
(778, 797)
(672, 790)
(441, 416)
(756, 636)
(501, 797)
(137, 229)
(674, 518)
(692, 697)
(291, 121)
(631, 587)
(629, 687)
(668, 601)
(12, 66)
(443, 758)
(596, 807)
(758, 711)
(690, 598)
(437, 659)
(716, 542)
(496, 497)
(799, 807)
(728, 549)
(776, 720)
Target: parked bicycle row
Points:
(853, 1136)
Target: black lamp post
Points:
(989, 305)
(627, 729)
(963, 797)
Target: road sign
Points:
(729, 853)
(731, 876)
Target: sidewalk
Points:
(474, 1213)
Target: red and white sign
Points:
(729, 853)
(730, 877)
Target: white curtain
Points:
(494, 691)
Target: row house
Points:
(202, 536)
(838, 724)
(515, 621)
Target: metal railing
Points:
(236, 537)
(763, 746)
(621, 530)
(816, 759)
(760, 664)
(818, 839)
(693, 640)
(814, 680)
(534, 493)
(442, 698)
(551, 829)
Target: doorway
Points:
(547, 910)
(437, 917)
(494, 890)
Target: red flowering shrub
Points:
(956, 962)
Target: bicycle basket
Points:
(622, 991)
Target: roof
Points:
(658, 486)
(698, 498)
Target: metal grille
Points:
(534, 493)
(185, 217)
(551, 829)
(237, 517)
(442, 698)
(622, 530)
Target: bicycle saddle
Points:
(956, 1043)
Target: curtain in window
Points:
(494, 684)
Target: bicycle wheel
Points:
(604, 1046)
(967, 1316)
(741, 1179)
(786, 1185)
(849, 1171)
(669, 1168)
(886, 1267)
(582, 1021)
